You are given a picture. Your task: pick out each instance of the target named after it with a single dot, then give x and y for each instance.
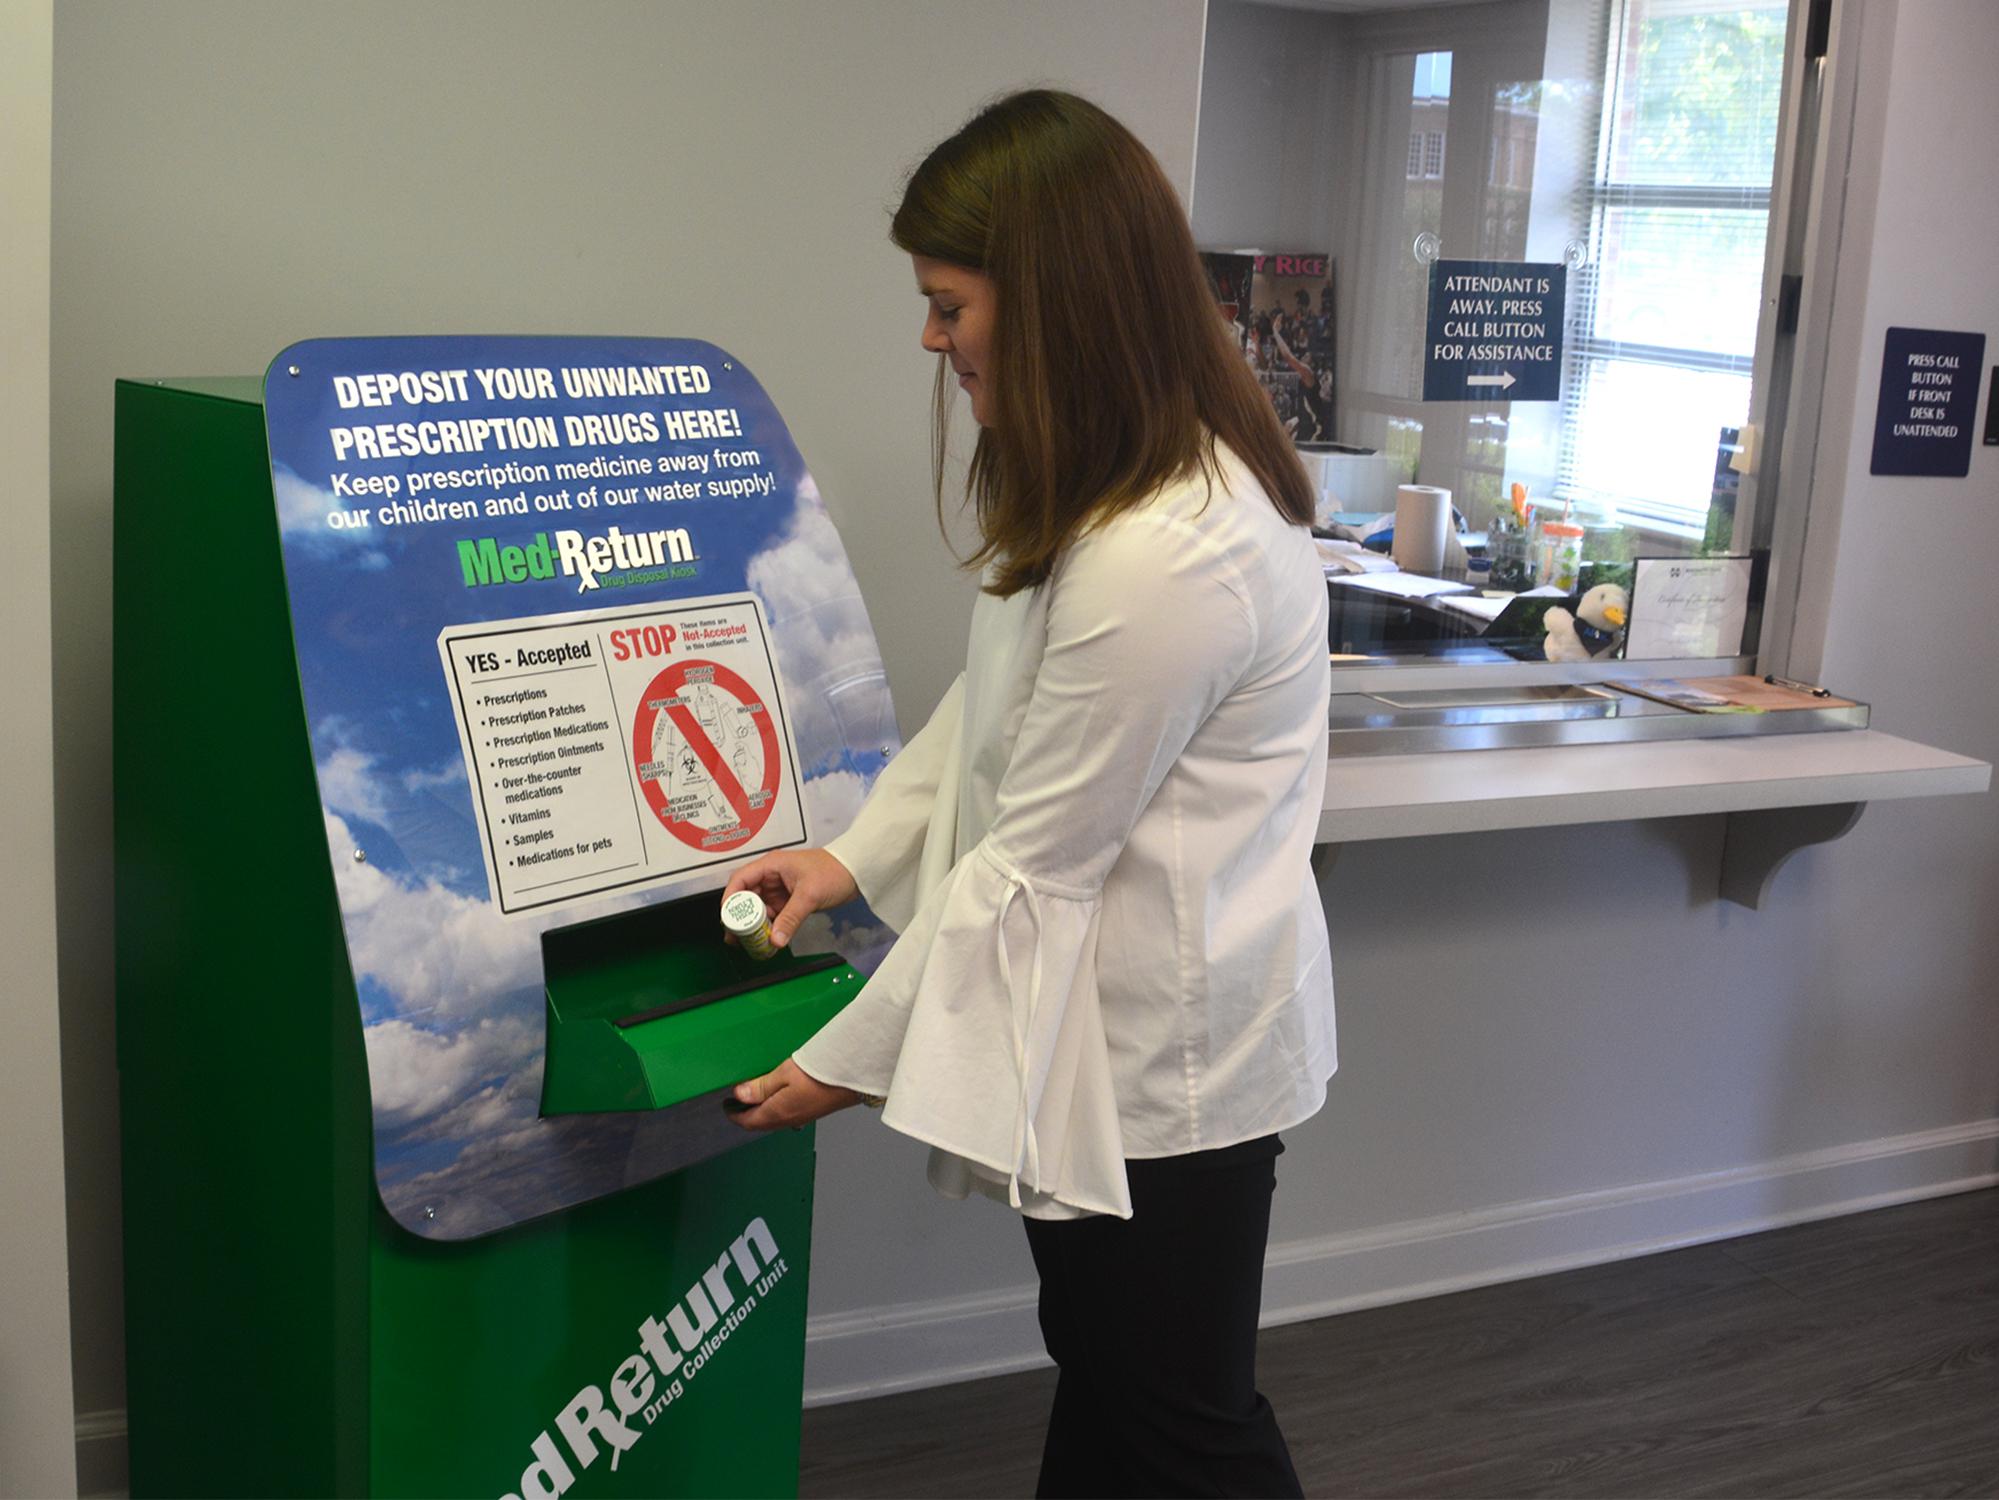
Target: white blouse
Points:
(1097, 856)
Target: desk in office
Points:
(1361, 621)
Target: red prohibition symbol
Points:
(694, 781)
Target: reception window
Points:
(1630, 145)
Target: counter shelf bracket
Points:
(1756, 843)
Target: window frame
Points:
(1433, 155)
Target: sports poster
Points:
(575, 634)
(1286, 325)
(1229, 276)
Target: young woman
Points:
(1111, 988)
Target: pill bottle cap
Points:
(743, 913)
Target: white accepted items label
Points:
(616, 749)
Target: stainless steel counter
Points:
(1402, 722)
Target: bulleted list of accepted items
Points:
(621, 748)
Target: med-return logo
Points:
(670, 1357)
(484, 561)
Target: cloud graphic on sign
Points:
(302, 511)
(506, 1104)
(347, 784)
(440, 954)
(424, 813)
(499, 1179)
(831, 801)
(836, 692)
(450, 776)
(414, 1072)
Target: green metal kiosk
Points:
(429, 1184)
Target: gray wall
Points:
(36, 1456)
(231, 177)
(1556, 1046)
(1275, 129)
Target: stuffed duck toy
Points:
(1595, 627)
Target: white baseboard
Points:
(908, 1346)
(101, 1467)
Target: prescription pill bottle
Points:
(744, 918)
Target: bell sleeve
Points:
(883, 847)
(982, 1026)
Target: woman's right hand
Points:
(794, 883)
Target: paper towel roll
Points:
(1422, 518)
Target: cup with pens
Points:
(1510, 546)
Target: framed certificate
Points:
(1688, 607)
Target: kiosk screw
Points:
(429, 1212)
(291, 370)
(360, 856)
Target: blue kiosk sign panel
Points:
(1928, 403)
(575, 634)
(1494, 331)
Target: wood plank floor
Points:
(1852, 1357)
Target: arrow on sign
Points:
(1504, 382)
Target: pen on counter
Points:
(1795, 686)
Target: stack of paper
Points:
(1682, 694)
(1350, 557)
(1486, 607)
(1492, 603)
(1403, 585)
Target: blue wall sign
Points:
(1928, 404)
(575, 634)
(1495, 331)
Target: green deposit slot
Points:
(652, 1008)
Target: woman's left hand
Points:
(787, 1096)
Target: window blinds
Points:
(1663, 316)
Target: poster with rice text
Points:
(1281, 311)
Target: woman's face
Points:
(959, 325)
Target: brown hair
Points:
(1113, 372)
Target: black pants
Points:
(1152, 1321)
